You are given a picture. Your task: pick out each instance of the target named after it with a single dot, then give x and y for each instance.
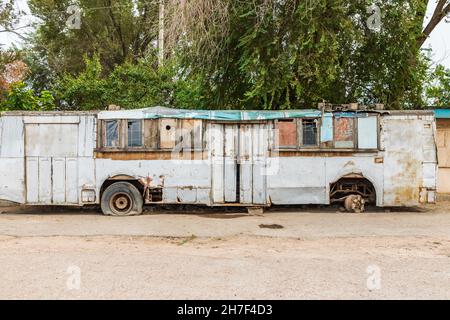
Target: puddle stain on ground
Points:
(271, 226)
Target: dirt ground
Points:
(195, 253)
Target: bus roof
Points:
(218, 115)
(222, 115)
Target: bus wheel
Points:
(354, 203)
(122, 199)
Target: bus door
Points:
(239, 155)
(224, 148)
(51, 162)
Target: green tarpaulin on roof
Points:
(225, 115)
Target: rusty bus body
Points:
(124, 159)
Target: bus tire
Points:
(122, 199)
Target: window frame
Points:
(104, 139)
(378, 135)
(286, 147)
(126, 134)
(149, 142)
(300, 133)
(354, 133)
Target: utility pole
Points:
(161, 33)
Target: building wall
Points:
(443, 146)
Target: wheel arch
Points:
(358, 175)
(135, 181)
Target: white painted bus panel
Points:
(51, 159)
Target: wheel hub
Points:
(121, 203)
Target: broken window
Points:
(344, 132)
(309, 132)
(287, 133)
(134, 133)
(111, 133)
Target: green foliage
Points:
(117, 31)
(229, 54)
(129, 85)
(7, 14)
(7, 18)
(294, 54)
(438, 92)
(19, 97)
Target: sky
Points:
(439, 41)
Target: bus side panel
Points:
(86, 164)
(404, 144)
(12, 176)
(12, 180)
(182, 181)
(299, 180)
(364, 164)
(306, 180)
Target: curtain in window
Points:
(112, 133)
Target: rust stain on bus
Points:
(317, 153)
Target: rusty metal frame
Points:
(352, 185)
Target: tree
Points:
(292, 54)
(438, 92)
(13, 72)
(255, 54)
(117, 31)
(19, 97)
(129, 85)
(440, 12)
(7, 16)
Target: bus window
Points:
(368, 132)
(309, 132)
(111, 133)
(134, 133)
(287, 131)
(344, 132)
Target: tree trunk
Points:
(441, 10)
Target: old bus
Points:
(125, 159)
